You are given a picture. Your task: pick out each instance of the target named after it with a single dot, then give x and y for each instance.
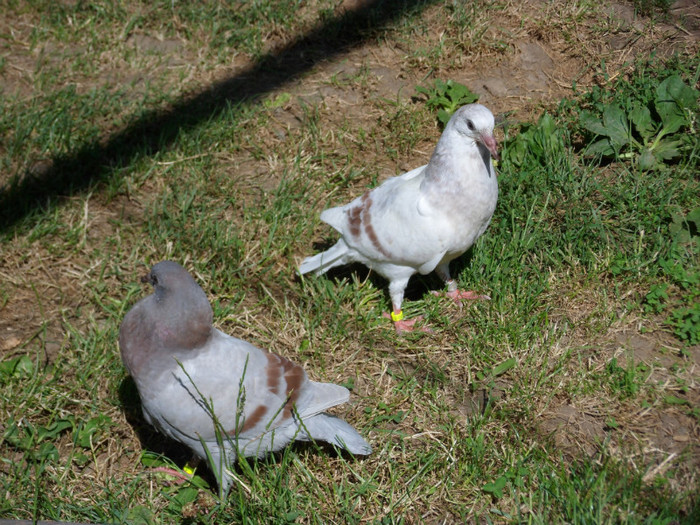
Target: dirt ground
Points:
(518, 68)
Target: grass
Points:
(571, 396)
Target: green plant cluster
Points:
(650, 127)
(536, 142)
(447, 97)
(651, 120)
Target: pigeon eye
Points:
(154, 280)
(470, 125)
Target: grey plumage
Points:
(216, 393)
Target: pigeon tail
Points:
(324, 261)
(331, 429)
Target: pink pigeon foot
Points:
(463, 295)
(407, 325)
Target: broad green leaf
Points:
(86, 430)
(444, 116)
(592, 123)
(646, 160)
(11, 435)
(546, 124)
(616, 126)
(674, 87)
(199, 482)
(672, 116)
(184, 496)
(21, 366)
(694, 217)
(516, 152)
(602, 147)
(141, 515)
(54, 429)
(496, 487)
(47, 452)
(504, 367)
(641, 117)
(423, 90)
(461, 94)
(667, 149)
(683, 229)
(80, 459)
(279, 101)
(151, 459)
(673, 101)
(447, 97)
(443, 101)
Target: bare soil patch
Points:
(653, 436)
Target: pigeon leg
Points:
(457, 295)
(404, 325)
(396, 289)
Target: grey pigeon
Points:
(187, 372)
(420, 221)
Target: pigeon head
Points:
(168, 277)
(476, 122)
(179, 308)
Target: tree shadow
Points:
(460, 264)
(155, 130)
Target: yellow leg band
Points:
(397, 317)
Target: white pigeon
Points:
(219, 395)
(419, 221)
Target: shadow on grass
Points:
(155, 130)
(418, 285)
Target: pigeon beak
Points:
(491, 145)
(150, 279)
